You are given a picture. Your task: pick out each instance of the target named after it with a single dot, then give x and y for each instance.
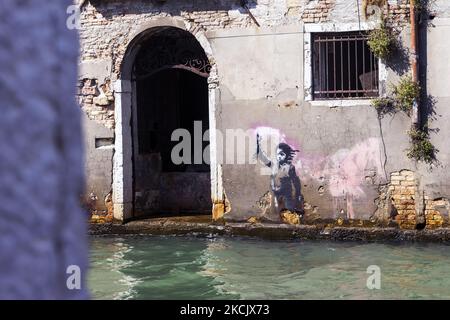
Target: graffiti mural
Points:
(284, 182)
(343, 174)
(346, 171)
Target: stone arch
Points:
(123, 197)
(136, 36)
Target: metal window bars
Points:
(343, 66)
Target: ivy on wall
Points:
(406, 92)
(381, 42)
(421, 148)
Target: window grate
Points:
(343, 66)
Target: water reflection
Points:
(108, 261)
(277, 270)
(228, 268)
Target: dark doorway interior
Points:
(171, 99)
(168, 98)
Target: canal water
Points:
(241, 268)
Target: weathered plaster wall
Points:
(435, 68)
(440, 8)
(342, 159)
(347, 156)
(98, 142)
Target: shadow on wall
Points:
(111, 8)
(399, 60)
(426, 18)
(427, 112)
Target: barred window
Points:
(343, 66)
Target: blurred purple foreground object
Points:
(42, 228)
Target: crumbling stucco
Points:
(349, 161)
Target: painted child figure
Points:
(284, 182)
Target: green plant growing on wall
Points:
(383, 105)
(405, 93)
(403, 96)
(421, 148)
(381, 42)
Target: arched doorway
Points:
(170, 96)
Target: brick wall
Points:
(318, 11)
(405, 202)
(97, 100)
(436, 212)
(402, 194)
(398, 13)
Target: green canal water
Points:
(240, 268)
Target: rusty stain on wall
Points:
(221, 208)
(367, 3)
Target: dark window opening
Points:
(168, 100)
(343, 66)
